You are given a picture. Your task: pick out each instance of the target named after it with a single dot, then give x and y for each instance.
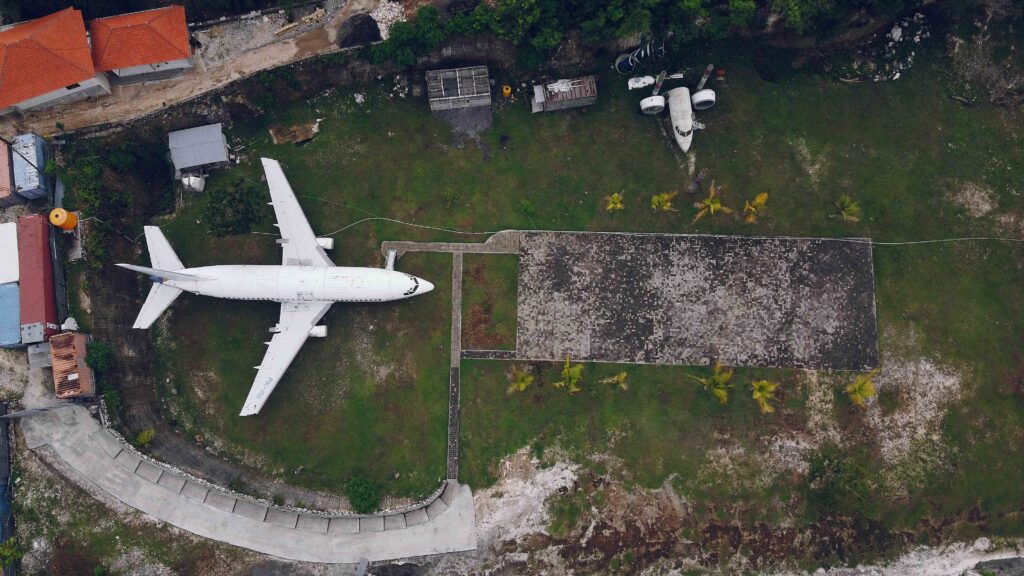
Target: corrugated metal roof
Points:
(71, 375)
(9, 253)
(28, 181)
(38, 306)
(198, 146)
(10, 315)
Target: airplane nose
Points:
(425, 286)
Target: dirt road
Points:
(128, 102)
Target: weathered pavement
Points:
(446, 524)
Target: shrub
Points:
(145, 437)
(234, 210)
(99, 356)
(363, 494)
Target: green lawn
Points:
(372, 401)
(489, 292)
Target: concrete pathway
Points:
(444, 524)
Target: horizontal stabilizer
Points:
(162, 274)
(160, 297)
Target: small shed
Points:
(72, 376)
(28, 161)
(7, 196)
(35, 267)
(199, 148)
(563, 94)
(9, 271)
(458, 88)
(10, 316)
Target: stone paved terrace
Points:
(674, 299)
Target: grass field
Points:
(489, 301)
(372, 401)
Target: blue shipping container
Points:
(10, 316)
(29, 181)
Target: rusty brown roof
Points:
(71, 375)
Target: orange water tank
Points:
(506, 91)
(63, 219)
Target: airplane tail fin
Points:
(161, 254)
(166, 266)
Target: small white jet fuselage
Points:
(306, 284)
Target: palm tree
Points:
(663, 202)
(571, 376)
(849, 210)
(519, 380)
(617, 380)
(751, 209)
(711, 205)
(614, 202)
(764, 392)
(862, 388)
(718, 383)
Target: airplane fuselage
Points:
(301, 283)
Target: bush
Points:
(112, 399)
(407, 41)
(99, 356)
(363, 494)
(234, 210)
(145, 437)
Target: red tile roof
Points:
(139, 38)
(42, 55)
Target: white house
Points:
(47, 61)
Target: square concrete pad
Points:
(149, 471)
(220, 500)
(371, 524)
(313, 523)
(195, 491)
(415, 517)
(435, 508)
(284, 518)
(109, 444)
(343, 526)
(252, 510)
(672, 299)
(171, 481)
(394, 522)
(128, 460)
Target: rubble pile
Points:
(386, 14)
(887, 57)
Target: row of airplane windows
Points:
(267, 299)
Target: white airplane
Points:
(306, 284)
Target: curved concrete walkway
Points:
(446, 524)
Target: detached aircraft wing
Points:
(297, 319)
(297, 238)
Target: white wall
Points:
(96, 86)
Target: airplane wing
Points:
(297, 238)
(297, 319)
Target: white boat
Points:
(680, 110)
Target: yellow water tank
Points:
(506, 91)
(63, 219)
